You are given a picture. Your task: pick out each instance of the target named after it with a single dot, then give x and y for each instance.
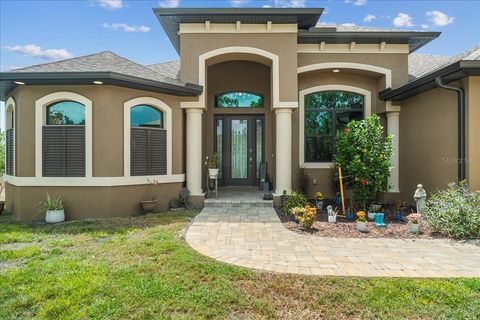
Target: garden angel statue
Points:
(420, 197)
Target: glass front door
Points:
(239, 144)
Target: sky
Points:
(38, 31)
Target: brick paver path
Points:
(255, 238)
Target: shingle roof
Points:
(104, 61)
(170, 69)
(420, 65)
(353, 28)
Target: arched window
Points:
(10, 137)
(65, 113)
(239, 100)
(326, 112)
(148, 141)
(63, 140)
(146, 116)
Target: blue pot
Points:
(379, 219)
(398, 216)
(350, 216)
(338, 199)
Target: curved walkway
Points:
(255, 238)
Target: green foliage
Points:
(212, 162)
(455, 212)
(364, 155)
(51, 203)
(2, 152)
(296, 199)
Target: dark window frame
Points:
(335, 112)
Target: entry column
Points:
(194, 151)
(393, 128)
(283, 147)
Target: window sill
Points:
(317, 165)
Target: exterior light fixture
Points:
(19, 82)
(97, 82)
(335, 70)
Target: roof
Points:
(170, 18)
(170, 68)
(104, 66)
(368, 35)
(424, 69)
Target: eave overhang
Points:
(415, 40)
(7, 80)
(450, 73)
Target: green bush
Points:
(296, 199)
(455, 212)
(364, 155)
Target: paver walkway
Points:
(255, 238)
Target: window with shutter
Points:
(148, 141)
(9, 148)
(63, 140)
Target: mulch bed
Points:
(348, 229)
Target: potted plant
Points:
(350, 211)
(399, 211)
(149, 205)
(53, 208)
(414, 222)
(332, 214)
(212, 164)
(319, 200)
(361, 221)
(308, 217)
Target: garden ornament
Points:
(420, 197)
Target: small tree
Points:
(364, 155)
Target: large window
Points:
(238, 100)
(63, 140)
(327, 112)
(148, 141)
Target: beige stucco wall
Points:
(472, 102)
(428, 141)
(284, 45)
(89, 202)
(239, 76)
(107, 126)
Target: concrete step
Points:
(234, 203)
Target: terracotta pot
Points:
(362, 226)
(414, 227)
(55, 216)
(148, 206)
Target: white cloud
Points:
(424, 26)
(438, 18)
(169, 3)
(238, 3)
(290, 3)
(357, 2)
(35, 51)
(369, 18)
(266, 6)
(348, 24)
(111, 4)
(125, 27)
(403, 20)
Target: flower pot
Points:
(319, 204)
(350, 216)
(332, 219)
(213, 172)
(379, 219)
(362, 226)
(371, 215)
(148, 206)
(414, 227)
(398, 216)
(54, 216)
(375, 207)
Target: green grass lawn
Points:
(141, 268)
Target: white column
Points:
(393, 128)
(283, 146)
(194, 151)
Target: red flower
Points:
(345, 130)
(363, 182)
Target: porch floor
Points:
(238, 195)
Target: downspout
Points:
(461, 125)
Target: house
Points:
(253, 85)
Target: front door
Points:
(239, 144)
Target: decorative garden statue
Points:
(420, 199)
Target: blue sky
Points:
(37, 31)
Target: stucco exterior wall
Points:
(472, 102)
(240, 76)
(284, 45)
(428, 141)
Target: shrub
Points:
(455, 212)
(308, 217)
(296, 199)
(364, 155)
